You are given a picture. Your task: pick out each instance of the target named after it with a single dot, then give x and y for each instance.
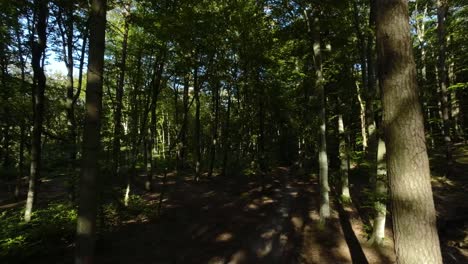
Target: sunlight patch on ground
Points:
(252, 206)
(224, 237)
(283, 240)
(313, 215)
(238, 257)
(297, 222)
(268, 234)
(216, 260)
(262, 251)
(209, 194)
(267, 200)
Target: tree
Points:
(86, 224)
(442, 9)
(39, 85)
(414, 220)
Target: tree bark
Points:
(380, 189)
(414, 219)
(442, 9)
(323, 156)
(87, 205)
(39, 84)
(119, 97)
(214, 128)
(344, 159)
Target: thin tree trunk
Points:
(380, 205)
(344, 159)
(442, 9)
(23, 126)
(323, 156)
(156, 89)
(214, 129)
(119, 97)
(226, 138)
(88, 204)
(362, 47)
(413, 212)
(183, 132)
(38, 51)
(197, 123)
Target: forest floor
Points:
(251, 219)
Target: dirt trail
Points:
(223, 221)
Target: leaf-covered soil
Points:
(253, 219)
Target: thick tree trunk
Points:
(87, 205)
(442, 8)
(413, 212)
(38, 48)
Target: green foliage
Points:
(50, 230)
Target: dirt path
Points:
(221, 221)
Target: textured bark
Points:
(413, 212)
(39, 83)
(442, 8)
(87, 205)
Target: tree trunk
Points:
(87, 205)
(39, 83)
(226, 139)
(344, 160)
(323, 156)
(362, 47)
(214, 129)
(119, 97)
(442, 8)
(380, 189)
(197, 123)
(413, 212)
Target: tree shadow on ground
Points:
(224, 220)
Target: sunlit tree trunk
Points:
(442, 9)
(87, 205)
(413, 212)
(39, 83)
(380, 189)
(363, 88)
(319, 85)
(344, 159)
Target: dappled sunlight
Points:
(224, 237)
